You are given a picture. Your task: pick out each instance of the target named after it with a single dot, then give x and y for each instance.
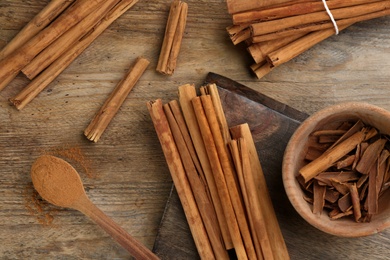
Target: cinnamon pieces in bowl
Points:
(336, 169)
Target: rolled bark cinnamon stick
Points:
(292, 8)
(236, 6)
(174, 32)
(229, 173)
(311, 27)
(180, 180)
(259, 51)
(186, 94)
(198, 186)
(49, 74)
(69, 38)
(13, 63)
(267, 27)
(302, 44)
(238, 158)
(220, 180)
(255, 210)
(323, 162)
(106, 113)
(37, 24)
(278, 245)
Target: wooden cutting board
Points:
(272, 123)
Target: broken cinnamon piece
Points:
(331, 195)
(111, 106)
(323, 139)
(174, 32)
(329, 132)
(362, 180)
(355, 201)
(372, 195)
(363, 191)
(342, 176)
(348, 161)
(346, 125)
(357, 156)
(336, 214)
(370, 156)
(358, 126)
(318, 198)
(312, 154)
(345, 202)
(340, 187)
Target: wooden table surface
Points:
(126, 175)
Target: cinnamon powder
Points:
(56, 181)
(43, 212)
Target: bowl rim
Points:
(290, 182)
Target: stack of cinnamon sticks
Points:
(53, 39)
(277, 31)
(218, 176)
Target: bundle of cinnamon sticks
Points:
(218, 176)
(277, 31)
(53, 39)
(348, 171)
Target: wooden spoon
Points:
(60, 184)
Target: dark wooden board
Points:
(272, 123)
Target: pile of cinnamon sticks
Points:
(348, 171)
(53, 39)
(277, 31)
(218, 176)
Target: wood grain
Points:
(133, 182)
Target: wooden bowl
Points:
(294, 159)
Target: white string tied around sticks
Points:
(331, 17)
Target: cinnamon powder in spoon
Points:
(55, 181)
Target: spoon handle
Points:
(134, 247)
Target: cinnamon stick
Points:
(268, 27)
(49, 74)
(176, 111)
(220, 180)
(311, 27)
(174, 32)
(65, 41)
(106, 113)
(186, 94)
(255, 210)
(230, 175)
(212, 90)
(297, 47)
(293, 8)
(238, 159)
(323, 162)
(236, 6)
(259, 51)
(278, 245)
(180, 180)
(37, 24)
(198, 186)
(13, 63)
